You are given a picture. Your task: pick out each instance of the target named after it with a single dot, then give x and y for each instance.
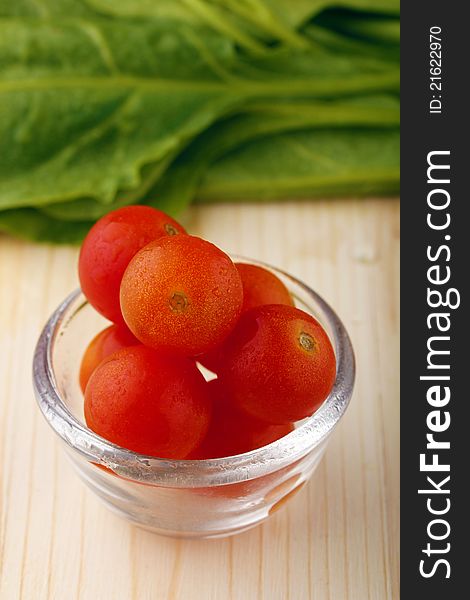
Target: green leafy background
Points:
(104, 103)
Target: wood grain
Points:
(336, 540)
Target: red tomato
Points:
(148, 403)
(233, 432)
(260, 287)
(109, 340)
(110, 245)
(181, 294)
(279, 364)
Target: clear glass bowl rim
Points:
(192, 473)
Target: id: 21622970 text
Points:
(435, 69)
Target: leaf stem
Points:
(280, 88)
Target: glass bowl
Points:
(184, 498)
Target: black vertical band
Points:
(435, 268)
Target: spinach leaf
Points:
(31, 224)
(105, 103)
(84, 122)
(177, 185)
(307, 164)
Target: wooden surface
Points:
(336, 540)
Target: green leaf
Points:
(31, 224)
(82, 114)
(298, 12)
(363, 27)
(337, 42)
(69, 117)
(105, 103)
(176, 187)
(307, 164)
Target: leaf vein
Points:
(95, 35)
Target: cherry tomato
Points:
(233, 432)
(149, 403)
(260, 287)
(109, 340)
(279, 364)
(181, 294)
(110, 245)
